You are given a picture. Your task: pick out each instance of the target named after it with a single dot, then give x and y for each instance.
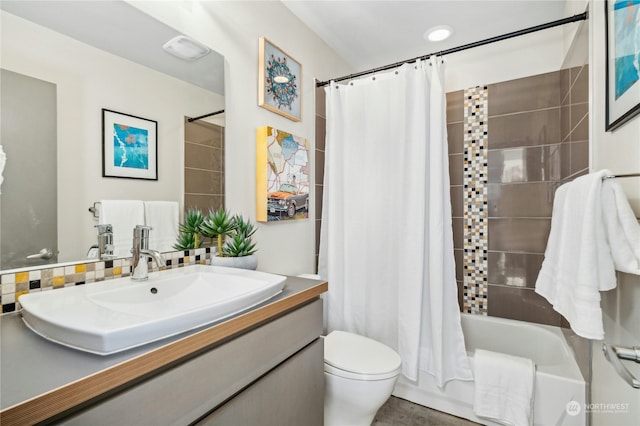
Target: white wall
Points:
(618, 151)
(524, 56)
(233, 28)
(89, 79)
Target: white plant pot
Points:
(244, 262)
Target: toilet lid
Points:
(360, 355)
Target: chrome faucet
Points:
(141, 254)
(105, 241)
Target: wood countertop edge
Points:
(59, 400)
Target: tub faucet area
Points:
(141, 252)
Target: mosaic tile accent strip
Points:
(13, 285)
(476, 241)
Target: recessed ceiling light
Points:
(438, 33)
(185, 48)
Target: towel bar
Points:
(623, 353)
(621, 176)
(94, 210)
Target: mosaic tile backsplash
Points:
(13, 285)
(475, 166)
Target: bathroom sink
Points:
(111, 316)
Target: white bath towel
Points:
(504, 388)
(621, 227)
(123, 215)
(588, 216)
(163, 217)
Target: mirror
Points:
(99, 55)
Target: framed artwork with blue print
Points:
(622, 25)
(280, 81)
(129, 146)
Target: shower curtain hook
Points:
(350, 79)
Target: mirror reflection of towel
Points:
(163, 217)
(123, 215)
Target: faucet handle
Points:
(104, 228)
(141, 231)
(140, 237)
(105, 240)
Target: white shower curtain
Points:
(386, 244)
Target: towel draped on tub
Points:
(504, 387)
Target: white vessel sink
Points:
(115, 315)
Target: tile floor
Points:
(399, 412)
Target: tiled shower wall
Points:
(517, 141)
(203, 166)
(536, 135)
(321, 126)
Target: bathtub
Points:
(558, 378)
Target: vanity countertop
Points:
(41, 379)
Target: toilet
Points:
(360, 374)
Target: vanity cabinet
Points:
(272, 374)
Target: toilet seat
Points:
(357, 357)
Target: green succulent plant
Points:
(241, 243)
(218, 226)
(189, 231)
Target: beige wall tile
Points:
(455, 137)
(456, 176)
(514, 269)
(203, 157)
(522, 304)
(519, 235)
(455, 106)
(525, 94)
(203, 182)
(579, 156)
(525, 129)
(525, 164)
(521, 199)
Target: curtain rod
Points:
(574, 18)
(190, 120)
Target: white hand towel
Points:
(504, 388)
(593, 233)
(577, 263)
(621, 227)
(163, 217)
(123, 215)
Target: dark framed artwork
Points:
(280, 81)
(622, 26)
(129, 146)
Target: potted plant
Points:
(233, 236)
(189, 236)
